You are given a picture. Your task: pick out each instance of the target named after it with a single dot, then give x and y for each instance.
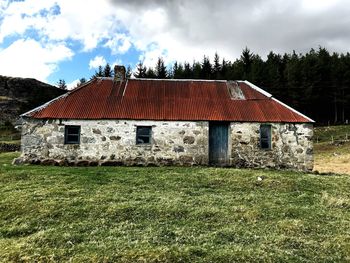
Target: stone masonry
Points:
(292, 146)
(113, 142)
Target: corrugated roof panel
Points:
(250, 93)
(166, 100)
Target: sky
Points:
(68, 39)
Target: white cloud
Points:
(318, 5)
(28, 7)
(186, 30)
(97, 61)
(152, 32)
(29, 58)
(73, 84)
(21, 16)
(82, 20)
(119, 43)
(181, 30)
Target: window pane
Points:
(72, 138)
(143, 130)
(265, 144)
(264, 131)
(73, 130)
(143, 139)
(143, 134)
(72, 134)
(265, 136)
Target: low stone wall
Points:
(113, 142)
(9, 147)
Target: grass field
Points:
(129, 214)
(8, 134)
(326, 133)
(332, 156)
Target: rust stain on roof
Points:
(167, 100)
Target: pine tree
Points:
(107, 71)
(161, 71)
(257, 70)
(224, 69)
(98, 73)
(140, 70)
(150, 74)
(197, 70)
(178, 71)
(61, 84)
(188, 72)
(273, 74)
(247, 60)
(217, 67)
(206, 68)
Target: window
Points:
(71, 134)
(143, 134)
(265, 136)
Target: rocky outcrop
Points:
(18, 95)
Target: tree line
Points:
(316, 83)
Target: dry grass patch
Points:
(332, 158)
(336, 201)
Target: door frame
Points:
(229, 144)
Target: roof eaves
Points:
(295, 111)
(29, 113)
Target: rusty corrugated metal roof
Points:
(149, 99)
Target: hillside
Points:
(18, 95)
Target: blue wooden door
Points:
(218, 143)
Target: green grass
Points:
(324, 134)
(131, 214)
(18, 142)
(8, 134)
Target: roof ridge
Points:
(199, 80)
(260, 90)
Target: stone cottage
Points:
(167, 122)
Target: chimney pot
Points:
(119, 73)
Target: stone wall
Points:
(291, 146)
(113, 142)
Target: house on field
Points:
(167, 122)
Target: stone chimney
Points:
(119, 73)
